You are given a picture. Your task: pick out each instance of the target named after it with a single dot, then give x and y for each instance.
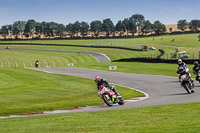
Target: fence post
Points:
(193, 56)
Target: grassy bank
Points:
(177, 118)
(114, 54)
(183, 40)
(29, 91)
(20, 58)
(137, 67)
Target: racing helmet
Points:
(180, 61)
(196, 63)
(97, 79)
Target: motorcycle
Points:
(110, 97)
(186, 83)
(197, 76)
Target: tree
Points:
(170, 29)
(138, 20)
(182, 25)
(38, 29)
(4, 31)
(18, 28)
(47, 29)
(84, 28)
(132, 26)
(96, 27)
(194, 25)
(10, 29)
(126, 25)
(29, 28)
(158, 27)
(69, 29)
(147, 28)
(108, 26)
(76, 28)
(59, 30)
(119, 27)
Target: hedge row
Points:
(156, 60)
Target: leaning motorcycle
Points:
(186, 83)
(110, 97)
(197, 76)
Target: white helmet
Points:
(180, 61)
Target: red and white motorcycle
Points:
(110, 97)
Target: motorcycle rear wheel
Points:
(121, 102)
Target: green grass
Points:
(114, 54)
(177, 118)
(137, 67)
(28, 91)
(185, 42)
(18, 58)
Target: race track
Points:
(98, 56)
(160, 89)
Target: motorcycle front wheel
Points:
(187, 88)
(108, 100)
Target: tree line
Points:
(136, 24)
(193, 25)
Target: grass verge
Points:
(177, 118)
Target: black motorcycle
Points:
(197, 76)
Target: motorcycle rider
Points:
(182, 71)
(102, 82)
(196, 69)
(182, 67)
(182, 64)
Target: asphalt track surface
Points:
(160, 89)
(98, 56)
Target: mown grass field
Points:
(184, 42)
(114, 54)
(177, 118)
(23, 58)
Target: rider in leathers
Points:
(196, 69)
(101, 82)
(182, 64)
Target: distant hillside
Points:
(174, 27)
